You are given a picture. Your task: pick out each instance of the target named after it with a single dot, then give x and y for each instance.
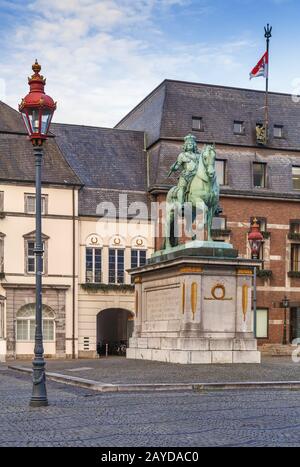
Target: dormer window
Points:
(278, 131)
(238, 127)
(296, 178)
(197, 123)
(259, 175)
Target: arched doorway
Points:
(114, 328)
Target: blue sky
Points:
(102, 57)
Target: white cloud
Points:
(97, 59)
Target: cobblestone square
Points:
(79, 417)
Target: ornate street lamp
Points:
(37, 110)
(286, 305)
(255, 239)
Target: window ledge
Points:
(2, 215)
(100, 287)
(32, 342)
(293, 236)
(264, 273)
(294, 274)
(220, 232)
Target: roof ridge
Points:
(95, 127)
(220, 86)
(114, 189)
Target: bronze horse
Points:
(204, 187)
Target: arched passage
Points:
(114, 328)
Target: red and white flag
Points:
(261, 69)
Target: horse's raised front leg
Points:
(210, 213)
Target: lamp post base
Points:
(38, 403)
(39, 393)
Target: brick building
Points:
(256, 181)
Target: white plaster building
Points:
(87, 293)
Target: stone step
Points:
(277, 349)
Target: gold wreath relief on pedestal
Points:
(218, 292)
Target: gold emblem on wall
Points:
(194, 298)
(244, 272)
(218, 292)
(139, 242)
(191, 269)
(245, 300)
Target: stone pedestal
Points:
(194, 309)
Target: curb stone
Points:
(106, 387)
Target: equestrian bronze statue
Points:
(197, 185)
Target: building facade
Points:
(96, 184)
(257, 181)
(88, 297)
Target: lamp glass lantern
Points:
(255, 239)
(37, 108)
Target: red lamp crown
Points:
(37, 108)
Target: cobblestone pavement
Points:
(77, 417)
(118, 370)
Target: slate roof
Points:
(104, 157)
(239, 168)
(10, 120)
(127, 203)
(17, 158)
(167, 113)
(107, 161)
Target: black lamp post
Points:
(255, 239)
(286, 305)
(37, 110)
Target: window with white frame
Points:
(116, 271)
(262, 323)
(238, 127)
(296, 178)
(93, 265)
(138, 258)
(295, 226)
(259, 175)
(30, 204)
(30, 256)
(219, 223)
(221, 171)
(26, 324)
(278, 131)
(1, 319)
(197, 123)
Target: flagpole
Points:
(268, 35)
